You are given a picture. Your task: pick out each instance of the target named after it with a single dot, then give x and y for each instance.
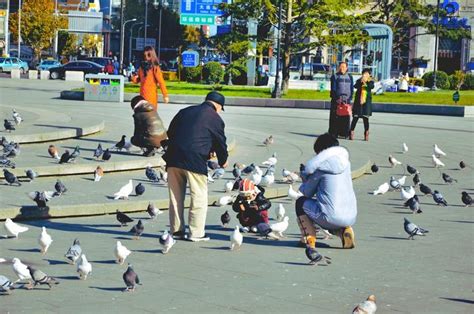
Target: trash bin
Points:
(103, 87)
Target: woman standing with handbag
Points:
(362, 103)
(149, 75)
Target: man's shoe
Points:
(201, 239)
(179, 235)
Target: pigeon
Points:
(439, 198)
(53, 152)
(229, 186)
(279, 227)
(11, 150)
(98, 151)
(218, 173)
(402, 180)
(65, 157)
(139, 189)
(21, 270)
(106, 155)
(60, 187)
(98, 173)
(167, 241)
(416, 179)
(404, 148)
(437, 151)
(413, 230)
(120, 144)
(236, 239)
(10, 177)
(425, 189)
(289, 176)
(6, 285)
(412, 170)
(124, 191)
(256, 176)
(31, 174)
(406, 194)
(212, 164)
(268, 179)
(5, 163)
(436, 162)
(225, 219)
(272, 161)
(366, 307)
(382, 189)
(152, 210)
(44, 241)
(224, 200)
(462, 164)
(16, 117)
(75, 153)
(163, 175)
(313, 255)
(414, 204)
(40, 278)
(209, 178)
(268, 141)
(8, 126)
(130, 278)
(236, 172)
(152, 174)
(41, 198)
(123, 218)
(294, 194)
(13, 229)
(249, 169)
(448, 179)
(374, 168)
(121, 253)
(393, 162)
(74, 252)
(84, 268)
(280, 212)
(466, 199)
(394, 184)
(138, 229)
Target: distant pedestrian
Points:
(193, 134)
(362, 103)
(342, 87)
(149, 76)
(109, 68)
(403, 85)
(116, 66)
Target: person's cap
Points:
(246, 187)
(216, 97)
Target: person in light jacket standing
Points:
(342, 87)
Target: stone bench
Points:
(76, 76)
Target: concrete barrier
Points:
(33, 74)
(44, 75)
(74, 76)
(15, 74)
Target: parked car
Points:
(99, 60)
(87, 67)
(48, 64)
(7, 64)
(307, 70)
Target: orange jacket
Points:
(148, 84)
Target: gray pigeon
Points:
(31, 174)
(448, 179)
(60, 187)
(139, 189)
(152, 210)
(41, 198)
(98, 151)
(439, 198)
(394, 184)
(6, 163)
(75, 153)
(236, 172)
(249, 169)
(41, 278)
(225, 219)
(130, 278)
(8, 125)
(138, 229)
(10, 177)
(152, 174)
(413, 230)
(425, 189)
(466, 198)
(65, 157)
(120, 144)
(74, 252)
(5, 285)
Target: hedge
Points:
(442, 79)
(213, 73)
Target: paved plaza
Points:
(432, 274)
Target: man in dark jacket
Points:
(342, 88)
(193, 134)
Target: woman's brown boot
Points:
(366, 135)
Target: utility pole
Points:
(435, 65)
(56, 33)
(19, 29)
(277, 89)
(122, 28)
(146, 23)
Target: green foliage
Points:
(67, 44)
(456, 80)
(192, 74)
(442, 80)
(469, 82)
(416, 81)
(238, 71)
(213, 73)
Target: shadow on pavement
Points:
(390, 238)
(458, 300)
(107, 288)
(56, 262)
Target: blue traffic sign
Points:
(190, 59)
(201, 7)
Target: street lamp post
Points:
(162, 4)
(146, 22)
(19, 28)
(122, 33)
(277, 90)
(435, 65)
(130, 41)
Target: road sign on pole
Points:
(200, 12)
(197, 19)
(190, 59)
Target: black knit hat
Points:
(216, 97)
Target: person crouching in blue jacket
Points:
(329, 200)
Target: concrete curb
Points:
(425, 109)
(32, 212)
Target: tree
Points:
(38, 24)
(90, 42)
(67, 43)
(192, 35)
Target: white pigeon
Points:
(272, 161)
(437, 151)
(121, 253)
(402, 180)
(280, 212)
(13, 229)
(224, 200)
(229, 185)
(366, 307)
(124, 191)
(289, 176)
(2, 260)
(127, 146)
(209, 178)
(382, 189)
(393, 161)
(168, 241)
(44, 241)
(21, 270)
(404, 148)
(278, 228)
(16, 117)
(236, 239)
(294, 194)
(84, 268)
(436, 162)
(256, 176)
(268, 179)
(407, 194)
